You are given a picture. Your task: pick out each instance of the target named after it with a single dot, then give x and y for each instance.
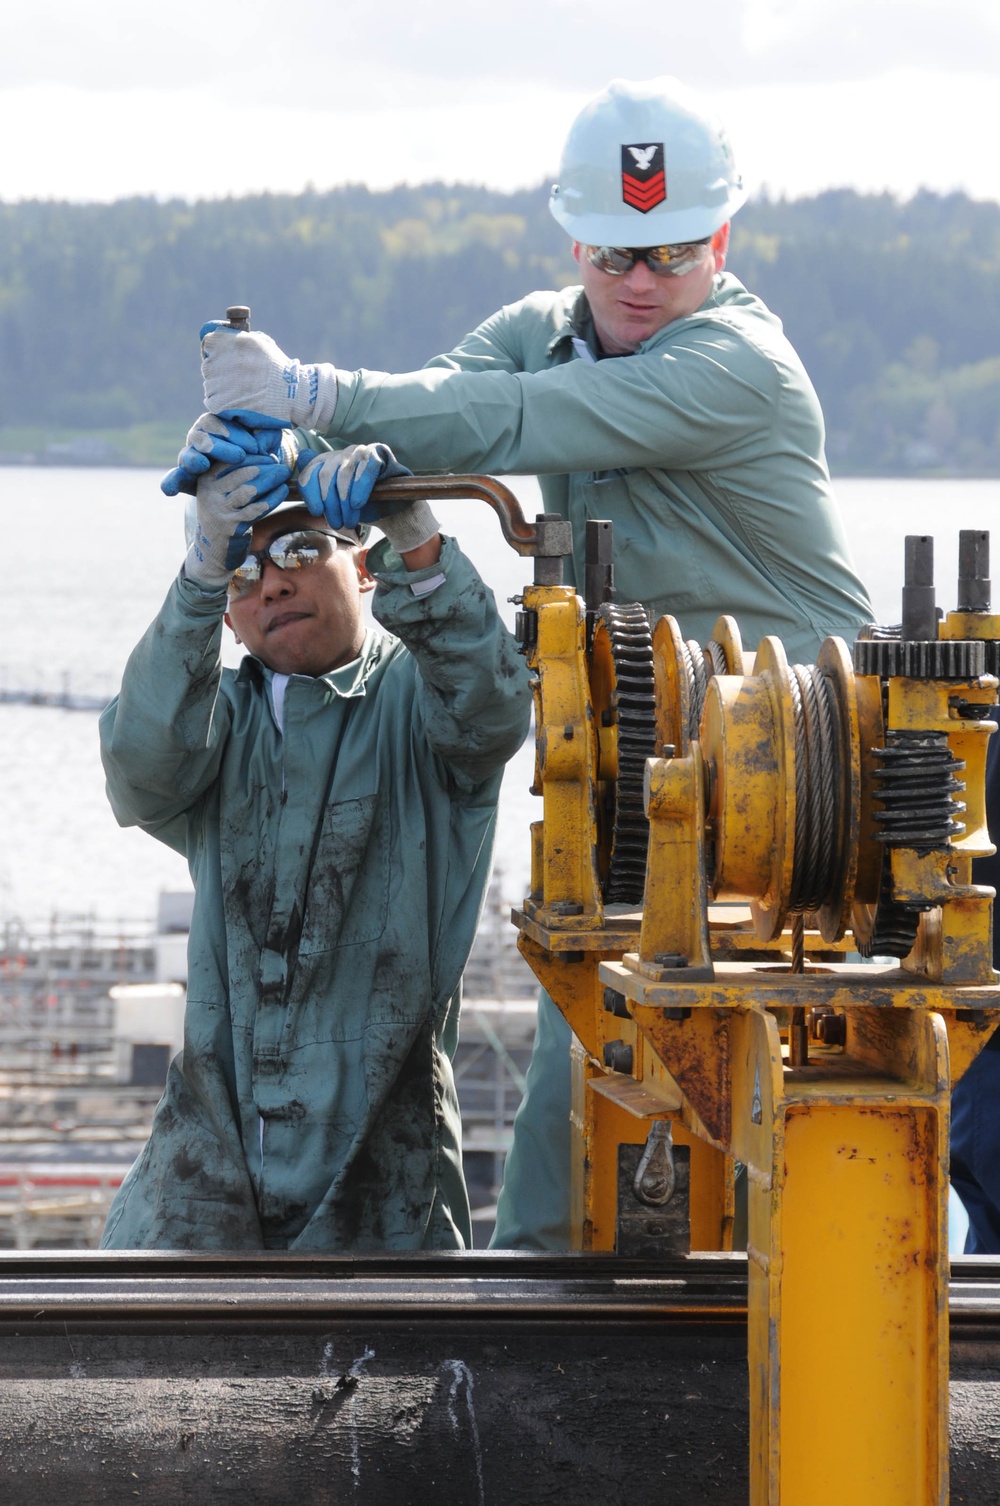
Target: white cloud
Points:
(105, 146)
(375, 53)
(900, 132)
(906, 130)
(119, 98)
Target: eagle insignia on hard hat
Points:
(644, 182)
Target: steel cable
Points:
(818, 852)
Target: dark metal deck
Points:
(478, 1380)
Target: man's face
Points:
(630, 308)
(307, 621)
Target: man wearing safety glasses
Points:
(659, 393)
(336, 799)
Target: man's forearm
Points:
(475, 698)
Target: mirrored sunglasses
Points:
(289, 551)
(665, 261)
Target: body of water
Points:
(82, 587)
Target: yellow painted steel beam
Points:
(847, 1219)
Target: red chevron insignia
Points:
(644, 196)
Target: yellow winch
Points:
(752, 899)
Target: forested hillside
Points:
(894, 307)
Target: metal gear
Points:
(624, 696)
(936, 659)
(887, 928)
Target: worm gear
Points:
(624, 699)
(887, 928)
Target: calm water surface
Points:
(82, 588)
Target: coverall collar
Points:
(349, 680)
(578, 323)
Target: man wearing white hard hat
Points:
(658, 393)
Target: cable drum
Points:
(715, 658)
(819, 847)
(697, 675)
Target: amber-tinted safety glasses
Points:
(665, 261)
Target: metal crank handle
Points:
(390, 496)
(400, 491)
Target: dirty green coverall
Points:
(339, 865)
(706, 450)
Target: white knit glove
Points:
(230, 500)
(249, 377)
(410, 528)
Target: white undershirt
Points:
(279, 684)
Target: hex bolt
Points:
(831, 1029)
(618, 1056)
(614, 1003)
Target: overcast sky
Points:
(199, 98)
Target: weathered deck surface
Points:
(483, 1380)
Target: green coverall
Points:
(339, 863)
(706, 449)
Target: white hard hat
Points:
(646, 164)
(356, 535)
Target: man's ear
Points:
(229, 624)
(720, 245)
(577, 251)
(366, 581)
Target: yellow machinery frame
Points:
(844, 1132)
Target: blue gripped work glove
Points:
(338, 486)
(214, 438)
(338, 483)
(230, 500)
(248, 377)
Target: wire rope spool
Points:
(622, 688)
(724, 650)
(784, 749)
(682, 671)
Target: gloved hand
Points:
(338, 486)
(230, 501)
(338, 483)
(213, 438)
(247, 376)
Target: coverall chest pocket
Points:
(347, 900)
(653, 545)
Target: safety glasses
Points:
(289, 551)
(665, 261)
